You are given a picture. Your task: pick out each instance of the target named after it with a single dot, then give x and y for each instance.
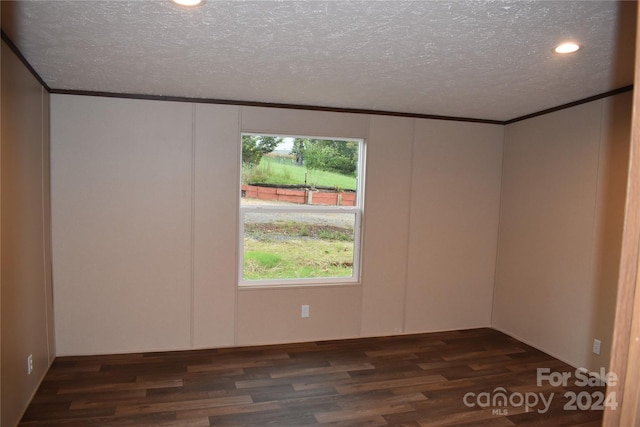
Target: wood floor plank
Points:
(118, 386)
(230, 410)
(322, 370)
(360, 413)
(410, 380)
(182, 405)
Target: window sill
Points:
(253, 287)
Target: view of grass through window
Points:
(299, 207)
(277, 169)
(287, 246)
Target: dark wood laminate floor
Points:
(414, 380)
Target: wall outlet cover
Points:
(596, 346)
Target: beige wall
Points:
(267, 316)
(386, 225)
(215, 233)
(609, 220)
(454, 225)
(122, 217)
(26, 305)
(145, 209)
(145, 228)
(560, 229)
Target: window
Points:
(300, 210)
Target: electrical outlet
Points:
(596, 346)
(30, 364)
(305, 311)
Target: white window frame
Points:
(357, 210)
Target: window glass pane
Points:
(294, 245)
(302, 171)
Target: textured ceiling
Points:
(479, 59)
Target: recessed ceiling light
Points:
(568, 47)
(189, 3)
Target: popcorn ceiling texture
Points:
(480, 59)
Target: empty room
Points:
(356, 213)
